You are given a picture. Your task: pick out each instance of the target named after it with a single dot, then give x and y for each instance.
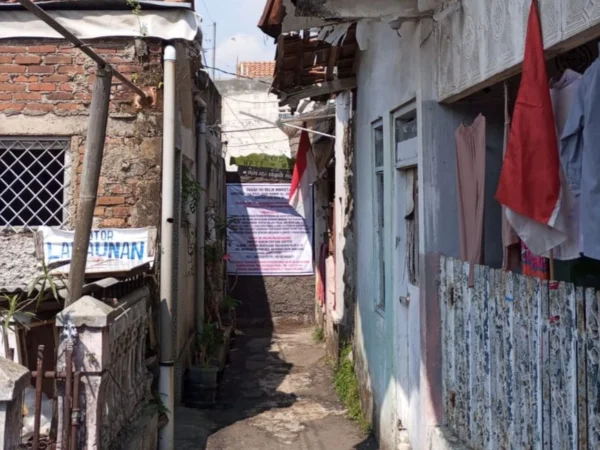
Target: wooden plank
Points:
(460, 341)
(331, 60)
(563, 370)
(328, 87)
(546, 402)
(446, 277)
(500, 435)
(280, 67)
(509, 355)
(534, 291)
(593, 367)
(478, 354)
(486, 349)
(522, 364)
(582, 422)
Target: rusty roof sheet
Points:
(303, 60)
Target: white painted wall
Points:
(252, 97)
(387, 74)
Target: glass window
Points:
(378, 145)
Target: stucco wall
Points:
(386, 80)
(251, 96)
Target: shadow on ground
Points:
(276, 393)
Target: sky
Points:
(238, 37)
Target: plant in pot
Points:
(202, 376)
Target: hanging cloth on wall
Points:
(580, 158)
(322, 274)
(470, 166)
(533, 266)
(529, 184)
(562, 93)
(510, 240)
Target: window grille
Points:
(33, 183)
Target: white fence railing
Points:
(520, 360)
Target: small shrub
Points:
(346, 386)
(318, 335)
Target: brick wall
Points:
(54, 80)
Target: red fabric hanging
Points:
(529, 182)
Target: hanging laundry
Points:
(470, 165)
(304, 176)
(322, 274)
(529, 184)
(533, 266)
(510, 240)
(562, 94)
(580, 158)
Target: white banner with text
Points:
(266, 235)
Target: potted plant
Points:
(202, 376)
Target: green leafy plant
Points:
(208, 341)
(136, 9)
(346, 386)
(318, 335)
(12, 308)
(42, 282)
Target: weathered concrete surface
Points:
(277, 393)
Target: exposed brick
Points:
(12, 49)
(3, 78)
(27, 96)
(40, 69)
(105, 51)
(60, 96)
(129, 68)
(56, 78)
(5, 97)
(12, 68)
(121, 189)
(99, 210)
(12, 106)
(45, 87)
(66, 87)
(58, 59)
(65, 49)
(112, 223)
(84, 97)
(12, 87)
(121, 211)
(70, 69)
(39, 106)
(42, 48)
(110, 201)
(25, 79)
(6, 59)
(67, 106)
(27, 59)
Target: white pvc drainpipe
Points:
(166, 384)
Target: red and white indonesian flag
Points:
(305, 174)
(530, 184)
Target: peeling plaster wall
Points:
(386, 80)
(339, 9)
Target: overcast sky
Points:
(238, 37)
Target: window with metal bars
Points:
(33, 182)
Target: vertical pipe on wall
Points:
(201, 163)
(166, 381)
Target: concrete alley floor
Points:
(277, 393)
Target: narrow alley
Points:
(277, 393)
